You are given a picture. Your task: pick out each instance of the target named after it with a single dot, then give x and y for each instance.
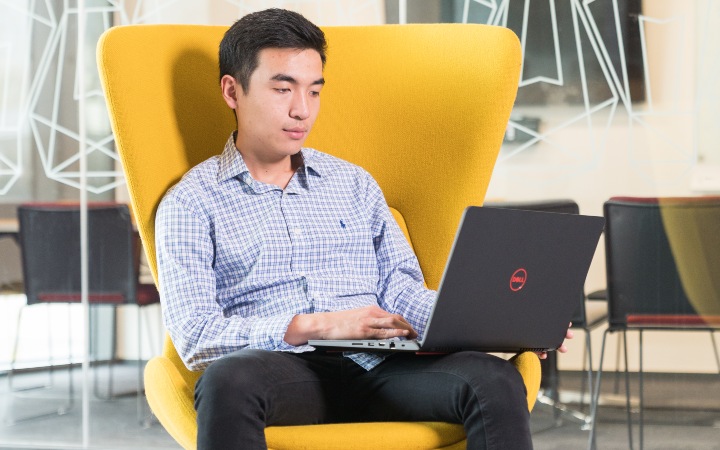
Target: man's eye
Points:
(315, 93)
(282, 90)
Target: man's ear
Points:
(230, 90)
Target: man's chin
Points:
(292, 149)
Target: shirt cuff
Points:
(269, 333)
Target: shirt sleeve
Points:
(197, 325)
(401, 287)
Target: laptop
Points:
(512, 283)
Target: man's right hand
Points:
(370, 322)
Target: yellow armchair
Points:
(422, 107)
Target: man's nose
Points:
(299, 109)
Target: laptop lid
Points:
(511, 283)
(513, 280)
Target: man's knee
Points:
(236, 375)
(491, 374)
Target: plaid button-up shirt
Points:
(238, 259)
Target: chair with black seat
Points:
(586, 318)
(662, 255)
(49, 236)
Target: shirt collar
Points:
(311, 166)
(232, 165)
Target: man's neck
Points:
(275, 172)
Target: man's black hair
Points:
(271, 28)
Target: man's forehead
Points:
(273, 54)
(301, 66)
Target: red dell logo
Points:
(517, 280)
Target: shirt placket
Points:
(296, 230)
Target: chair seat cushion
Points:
(147, 294)
(363, 436)
(673, 320)
(171, 399)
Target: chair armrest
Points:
(171, 400)
(528, 364)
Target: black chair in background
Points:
(584, 318)
(49, 236)
(662, 261)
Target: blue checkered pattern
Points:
(237, 258)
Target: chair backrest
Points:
(563, 206)
(50, 250)
(662, 258)
(422, 107)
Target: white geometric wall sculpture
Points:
(14, 48)
(36, 103)
(576, 134)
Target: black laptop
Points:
(511, 283)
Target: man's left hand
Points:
(562, 348)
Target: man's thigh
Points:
(284, 388)
(435, 387)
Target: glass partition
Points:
(616, 98)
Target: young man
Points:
(271, 244)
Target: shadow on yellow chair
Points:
(422, 107)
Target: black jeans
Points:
(245, 391)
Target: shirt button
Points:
(296, 231)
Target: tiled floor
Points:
(683, 412)
(113, 424)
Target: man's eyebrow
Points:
(289, 79)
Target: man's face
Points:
(282, 102)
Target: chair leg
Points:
(627, 392)
(715, 349)
(153, 344)
(113, 355)
(616, 388)
(147, 414)
(587, 364)
(548, 394)
(583, 369)
(71, 380)
(588, 350)
(551, 397)
(110, 391)
(96, 379)
(641, 388)
(62, 410)
(139, 398)
(13, 360)
(592, 441)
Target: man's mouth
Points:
(295, 132)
